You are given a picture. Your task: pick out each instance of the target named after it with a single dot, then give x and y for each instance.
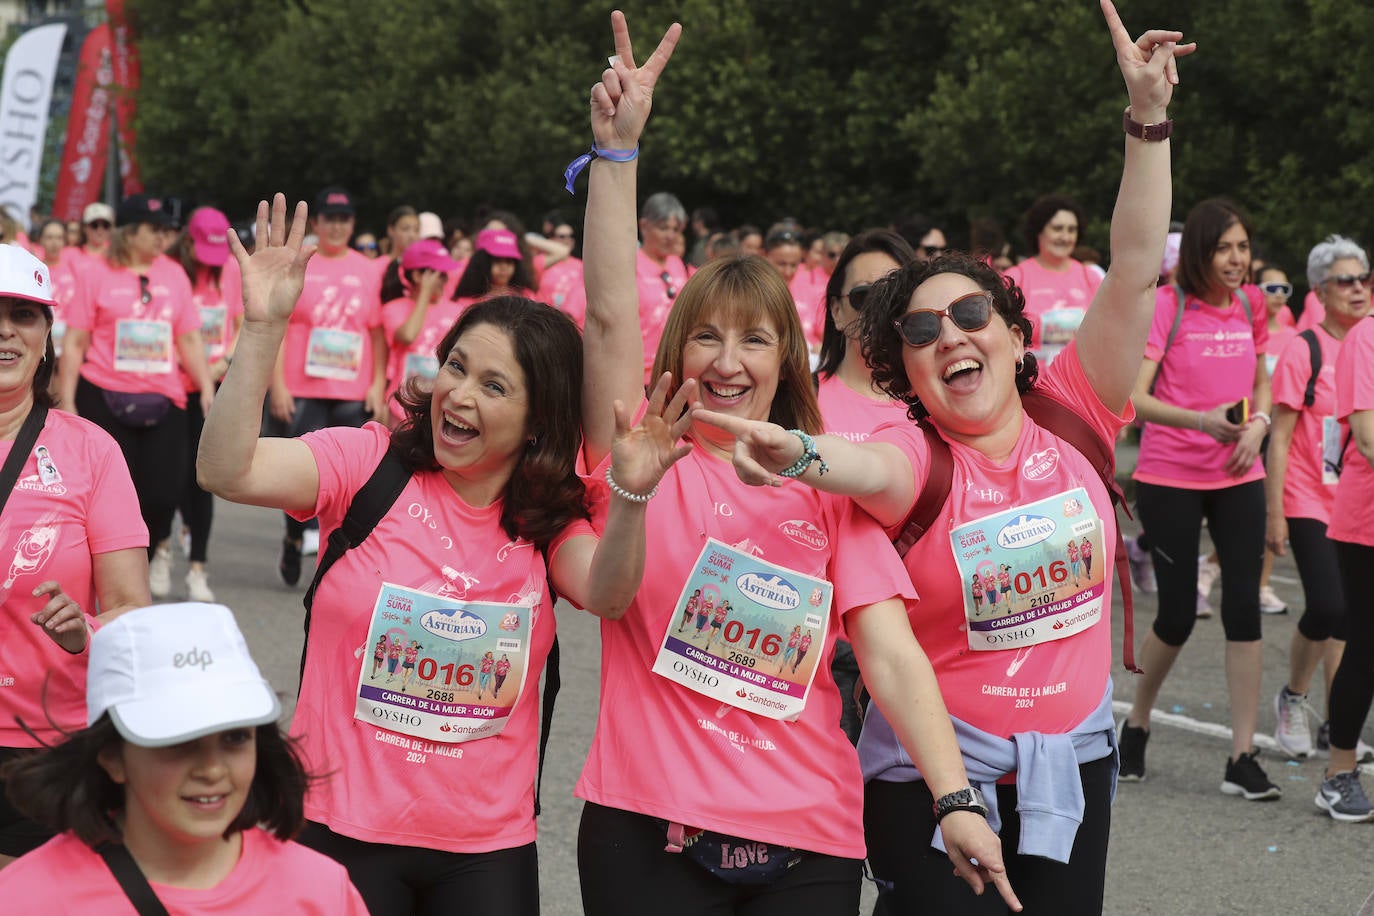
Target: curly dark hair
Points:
(888, 300)
(544, 493)
(884, 241)
(65, 787)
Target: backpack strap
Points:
(932, 497)
(368, 507)
(1173, 331)
(131, 879)
(1314, 349)
(552, 683)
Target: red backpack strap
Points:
(932, 497)
(1064, 422)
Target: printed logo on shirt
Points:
(34, 484)
(32, 550)
(804, 533)
(456, 582)
(504, 553)
(458, 627)
(1025, 530)
(1041, 464)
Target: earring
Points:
(533, 440)
(1020, 362)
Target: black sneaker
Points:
(1246, 777)
(1131, 746)
(290, 563)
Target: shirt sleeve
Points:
(345, 458)
(1292, 373)
(865, 568)
(1166, 307)
(113, 521)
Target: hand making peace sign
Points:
(621, 101)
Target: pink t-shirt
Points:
(82, 503)
(1304, 494)
(1352, 512)
(328, 342)
(561, 287)
(382, 790)
(417, 357)
(65, 876)
(220, 309)
(656, 297)
(1055, 302)
(1313, 312)
(1069, 675)
(1211, 361)
(847, 413)
(109, 304)
(808, 291)
(669, 752)
(63, 275)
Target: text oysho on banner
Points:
(124, 56)
(88, 133)
(25, 95)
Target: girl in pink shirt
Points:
(733, 332)
(1085, 550)
(412, 652)
(378, 655)
(497, 268)
(1057, 287)
(502, 670)
(976, 589)
(415, 318)
(484, 673)
(950, 338)
(492, 494)
(689, 609)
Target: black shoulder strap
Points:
(19, 452)
(552, 683)
(932, 497)
(131, 879)
(1314, 350)
(369, 506)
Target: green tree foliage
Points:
(845, 113)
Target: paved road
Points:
(1178, 846)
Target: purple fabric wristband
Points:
(581, 162)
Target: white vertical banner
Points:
(25, 95)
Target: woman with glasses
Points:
(1057, 287)
(1305, 465)
(659, 272)
(1028, 691)
(130, 323)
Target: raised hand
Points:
(761, 448)
(275, 273)
(641, 454)
(621, 101)
(1147, 64)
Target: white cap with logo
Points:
(176, 672)
(23, 276)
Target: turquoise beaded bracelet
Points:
(809, 454)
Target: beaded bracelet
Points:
(625, 494)
(577, 165)
(809, 454)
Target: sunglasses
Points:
(921, 328)
(858, 296)
(1282, 290)
(145, 295)
(99, 224)
(667, 279)
(1345, 281)
(785, 237)
(366, 246)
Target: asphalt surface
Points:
(1178, 845)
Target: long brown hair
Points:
(747, 290)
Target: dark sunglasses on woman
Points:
(1283, 290)
(921, 328)
(1345, 281)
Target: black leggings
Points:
(1235, 519)
(405, 880)
(1324, 616)
(313, 414)
(625, 871)
(197, 506)
(1352, 689)
(899, 822)
(156, 457)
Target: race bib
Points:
(1032, 574)
(143, 346)
(1332, 439)
(1270, 361)
(212, 321)
(421, 364)
(59, 331)
(333, 353)
(1058, 326)
(442, 669)
(746, 632)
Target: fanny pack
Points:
(730, 858)
(139, 409)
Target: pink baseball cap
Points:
(209, 230)
(428, 254)
(499, 243)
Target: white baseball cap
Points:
(24, 276)
(175, 672)
(98, 210)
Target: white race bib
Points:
(143, 346)
(333, 353)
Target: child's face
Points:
(186, 794)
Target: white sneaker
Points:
(1207, 573)
(160, 572)
(1292, 732)
(1271, 603)
(197, 586)
(310, 542)
(185, 541)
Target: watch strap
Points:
(1151, 133)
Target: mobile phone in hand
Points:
(1239, 412)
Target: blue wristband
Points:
(581, 162)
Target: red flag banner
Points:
(126, 80)
(83, 156)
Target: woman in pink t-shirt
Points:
(490, 448)
(1198, 459)
(949, 337)
(415, 318)
(52, 239)
(1057, 287)
(793, 790)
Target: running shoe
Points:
(198, 586)
(1342, 797)
(1292, 732)
(1246, 777)
(1142, 568)
(1204, 607)
(1207, 574)
(160, 572)
(290, 563)
(310, 542)
(1363, 752)
(1271, 603)
(1131, 746)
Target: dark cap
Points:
(334, 200)
(141, 208)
